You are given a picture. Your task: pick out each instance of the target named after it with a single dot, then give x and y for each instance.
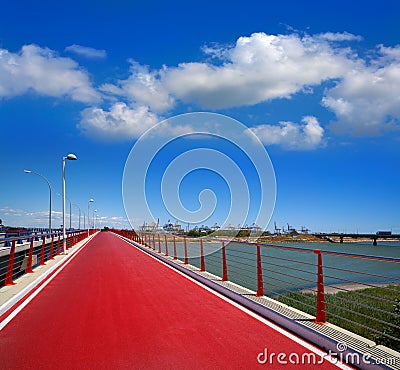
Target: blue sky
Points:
(317, 82)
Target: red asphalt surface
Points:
(115, 307)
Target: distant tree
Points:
(243, 234)
(194, 233)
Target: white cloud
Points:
(343, 36)
(264, 67)
(143, 88)
(42, 71)
(258, 68)
(292, 136)
(24, 218)
(117, 222)
(121, 122)
(367, 100)
(86, 51)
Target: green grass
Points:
(357, 311)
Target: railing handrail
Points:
(294, 248)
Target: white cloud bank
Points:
(363, 93)
(367, 100)
(143, 87)
(261, 67)
(42, 71)
(292, 136)
(121, 122)
(24, 218)
(258, 68)
(86, 51)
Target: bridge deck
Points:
(116, 307)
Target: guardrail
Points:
(34, 251)
(358, 292)
(24, 235)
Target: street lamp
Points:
(70, 157)
(48, 183)
(88, 214)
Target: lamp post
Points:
(94, 218)
(48, 183)
(70, 211)
(79, 224)
(88, 214)
(70, 157)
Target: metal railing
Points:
(26, 252)
(23, 235)
(358, 292)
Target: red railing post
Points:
(202, 262)
(224, 265)
(154, 242)
(58, 245)
(260, 284)
(42, 252)
(166, 245)
(321, 312)
(175, 256)
(30, 255)
(186, 251)
(159, 244)
(9, 274)
(51, 247)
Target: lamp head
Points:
(91, 200)
(72, 157)
(27, 171)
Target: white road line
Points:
(14, 313)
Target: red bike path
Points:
(116, 307)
